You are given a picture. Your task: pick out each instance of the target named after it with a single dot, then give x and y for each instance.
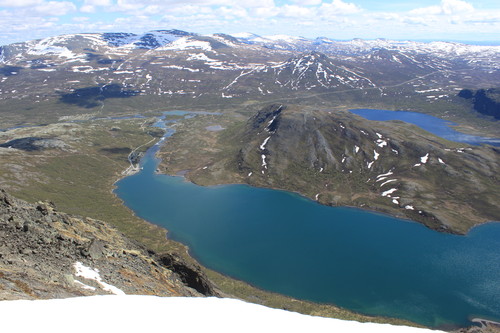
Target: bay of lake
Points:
(359, 260)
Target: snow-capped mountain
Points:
(174, 63)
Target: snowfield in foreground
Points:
(134, 313)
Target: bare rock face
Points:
(48, 254)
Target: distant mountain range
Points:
(202, 69)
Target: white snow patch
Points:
(387, 182)
(250, 173)
(285, 38)
(133, 313)
(375, 155)
(264, 164)
(385, 174)
(379, 135)
(441, 161)
(409, 207)
(381, 143)
(270, 122)
(186, 44)
(424, 159)
(395, 201)
(356, 149)
(263, 145)
(182, 68)
(395, 151)
(47, 47)
(389, 192)
(369, 164)
(200, 56)
(417, 165)
(93, 274)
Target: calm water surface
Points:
(429, 123)
(366, 262)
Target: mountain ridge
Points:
(48, 254)
(193, 70)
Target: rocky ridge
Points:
(338, 158)
(48, 254)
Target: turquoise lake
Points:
(359, 260)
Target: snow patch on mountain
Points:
(48, 46)
(285, 38)
(187, 44)
(136, 313)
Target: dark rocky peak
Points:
(307, 61)
(175, 32)
(118, 38)
(159, 38)
(148, 41)
(268, 115)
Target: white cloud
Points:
(101, 3)
(447, 7)
(296, 11)
(455, 7)
(265, 12)
(128, 6)
(28, 19)
(256, 4)
(338, 7)
(307, 2)
(19, 3)
(232, 12)
(55, 8)
(87, 9)
(81, 19)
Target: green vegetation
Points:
(79, 181)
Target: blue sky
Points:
(467, 20)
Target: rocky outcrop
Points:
(191, 275)
(48, 254)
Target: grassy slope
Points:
(80, 180)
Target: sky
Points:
(461, 20)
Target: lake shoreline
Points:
(150, 164)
